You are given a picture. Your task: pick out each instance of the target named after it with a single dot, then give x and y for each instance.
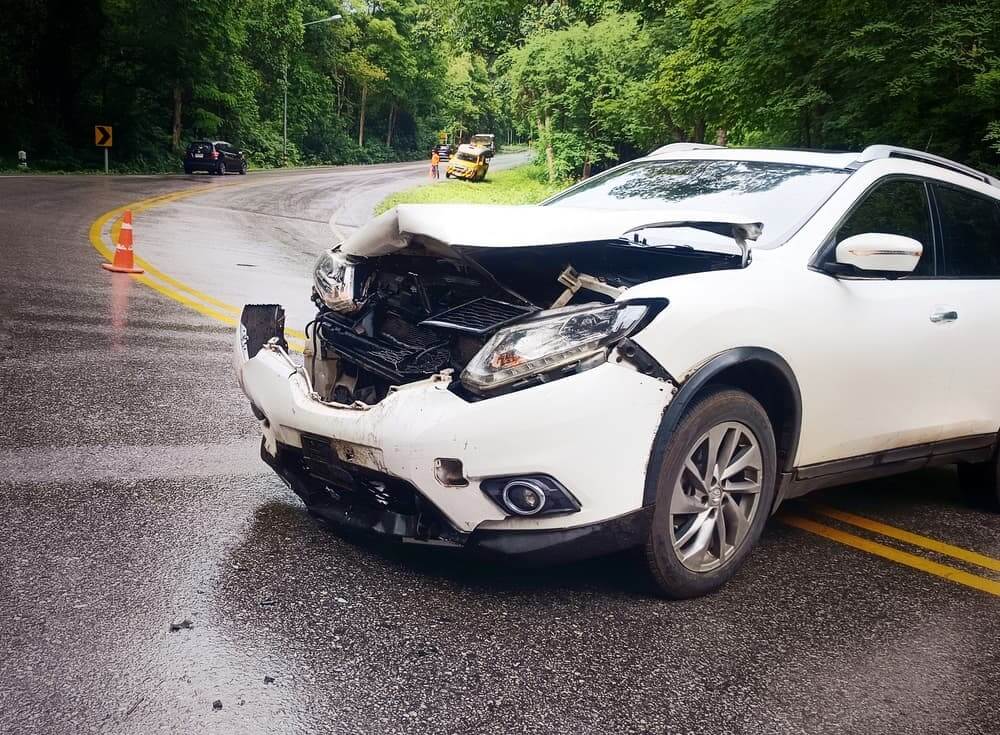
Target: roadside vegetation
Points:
(521, 185)
(592, 83)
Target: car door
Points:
(886, 365)
(969, 276)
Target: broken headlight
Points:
(336, 282)
(546, 343)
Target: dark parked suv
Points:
(215, 157)
(444, 151)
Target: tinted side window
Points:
(896, 208)
(970, 226)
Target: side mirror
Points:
(880, 252)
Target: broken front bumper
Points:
(592, 431)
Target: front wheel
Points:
(715, 490)
(222, 169)
(243, 169)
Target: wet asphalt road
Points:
(131, 497)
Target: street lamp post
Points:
(284, 115)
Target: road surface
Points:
(132, 497)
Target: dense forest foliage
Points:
(592, 81)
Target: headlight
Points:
(335, 280)
(547, 343)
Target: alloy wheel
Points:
(716, 496)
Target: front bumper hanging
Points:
(353, 500)
(371, 468)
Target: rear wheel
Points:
(981, 483)
(715, 490)
(243, 169)
(187, 171)
(222, 169)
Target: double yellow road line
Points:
(915, 561)
(164, 283)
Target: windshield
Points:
(781, 196)
(467, 157)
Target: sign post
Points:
(102, 139)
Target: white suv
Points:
(657, 356)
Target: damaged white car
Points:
(656, 357)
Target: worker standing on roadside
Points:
(435, 160)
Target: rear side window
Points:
(970, 228)
(200, 147)
(897, 207)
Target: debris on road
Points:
(185, 623)
(268, 679)
(217, 704)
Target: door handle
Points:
(944, 315)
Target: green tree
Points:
(563, 80)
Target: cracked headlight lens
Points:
(335, 281)
(559, 339)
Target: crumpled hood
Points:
(496, 226)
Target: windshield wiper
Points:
(739, 231)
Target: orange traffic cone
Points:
(124, 262)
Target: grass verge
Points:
(521, 185)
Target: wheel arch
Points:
(762, 373)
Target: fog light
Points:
(524, 497)
(529, 495)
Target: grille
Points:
(348, 483)
(409, 334)
(480, 316)
(387, 357)
(320, 461)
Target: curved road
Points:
(131, 497)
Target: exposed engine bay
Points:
(410, 314)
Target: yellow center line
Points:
(165, 284)
(887, 552)
(915, 539)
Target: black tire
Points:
(187, 171)
(671, 576)
(980, 483)
(221, 171)
(243, 169)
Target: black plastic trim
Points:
(558, 546)
(632, 352)
(692, 386)
(975, 448)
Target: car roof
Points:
(693, 151)
(841, 160)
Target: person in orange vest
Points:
(435, 160)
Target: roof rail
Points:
(874, 152)
(671, 147)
